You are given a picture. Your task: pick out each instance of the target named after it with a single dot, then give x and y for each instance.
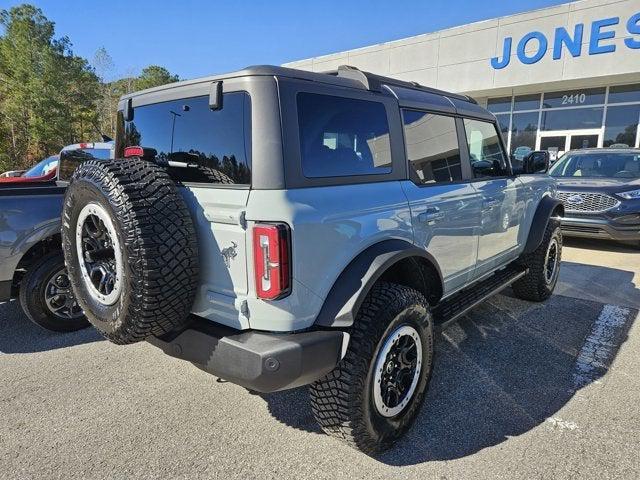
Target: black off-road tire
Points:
(534, 286)
(342, 402)
(32, 296)
(158, 244)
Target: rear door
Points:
(445, 207)
(208, 154)
(502, 199)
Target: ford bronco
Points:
(280, 228)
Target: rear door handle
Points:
(431, 215)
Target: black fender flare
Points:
(547, 208)
(353, 284)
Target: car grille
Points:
(581, 229)
(581, 202)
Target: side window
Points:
(432, 147)
(342, 136)
(195, 143)
(485, 150)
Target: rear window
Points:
(195, 143)
(99, 153)
(342, 136)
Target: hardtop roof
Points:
(344, 76)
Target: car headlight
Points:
(631, 195)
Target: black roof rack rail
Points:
(373, 82)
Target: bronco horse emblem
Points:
(229, 254)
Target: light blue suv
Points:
(279, 228)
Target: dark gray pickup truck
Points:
(31, 262)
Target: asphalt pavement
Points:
(519, 390)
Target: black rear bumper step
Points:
(260, 361)
(449, 310)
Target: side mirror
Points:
(536, 162)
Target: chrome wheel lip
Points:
(381, 407)
(94, 209)
(551, 261)
(59, 297)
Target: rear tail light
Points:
(272, 256)
(133, 152)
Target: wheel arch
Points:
(51, 241)
(547, 208)
(396, 261)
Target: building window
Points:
(572, 119)
(580, 109)
(624, 93)
(499, 105)
(574, 98)
(524, 129)
(621, 125)
(432, 147)
(503, 121)
(343, 136)
(526, 102)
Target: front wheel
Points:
(47, 298)
(374, 394)
(544, 266)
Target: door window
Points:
(432, 147)
(485, 150)
(343, 136)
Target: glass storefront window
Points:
(499, 105)
(572, 119)
(574, 98)
(621, 125)
(624, 93)
(503, 121)
(526, 102)
(524, 128)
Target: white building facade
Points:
(556, 78)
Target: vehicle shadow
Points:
(499, 372)
(19, 335)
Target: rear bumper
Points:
(599, 227)
(261, 361)
(5, 290)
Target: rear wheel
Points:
(47, 298)
(374, 394)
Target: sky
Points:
(194, 38)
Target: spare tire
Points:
(130, 247)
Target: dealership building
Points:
(556, 78)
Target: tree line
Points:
(50, 97)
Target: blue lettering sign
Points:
(522, 48)
(597, 35)
(506, 55)
(574, 45)
(600, 31)
(633, 27)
